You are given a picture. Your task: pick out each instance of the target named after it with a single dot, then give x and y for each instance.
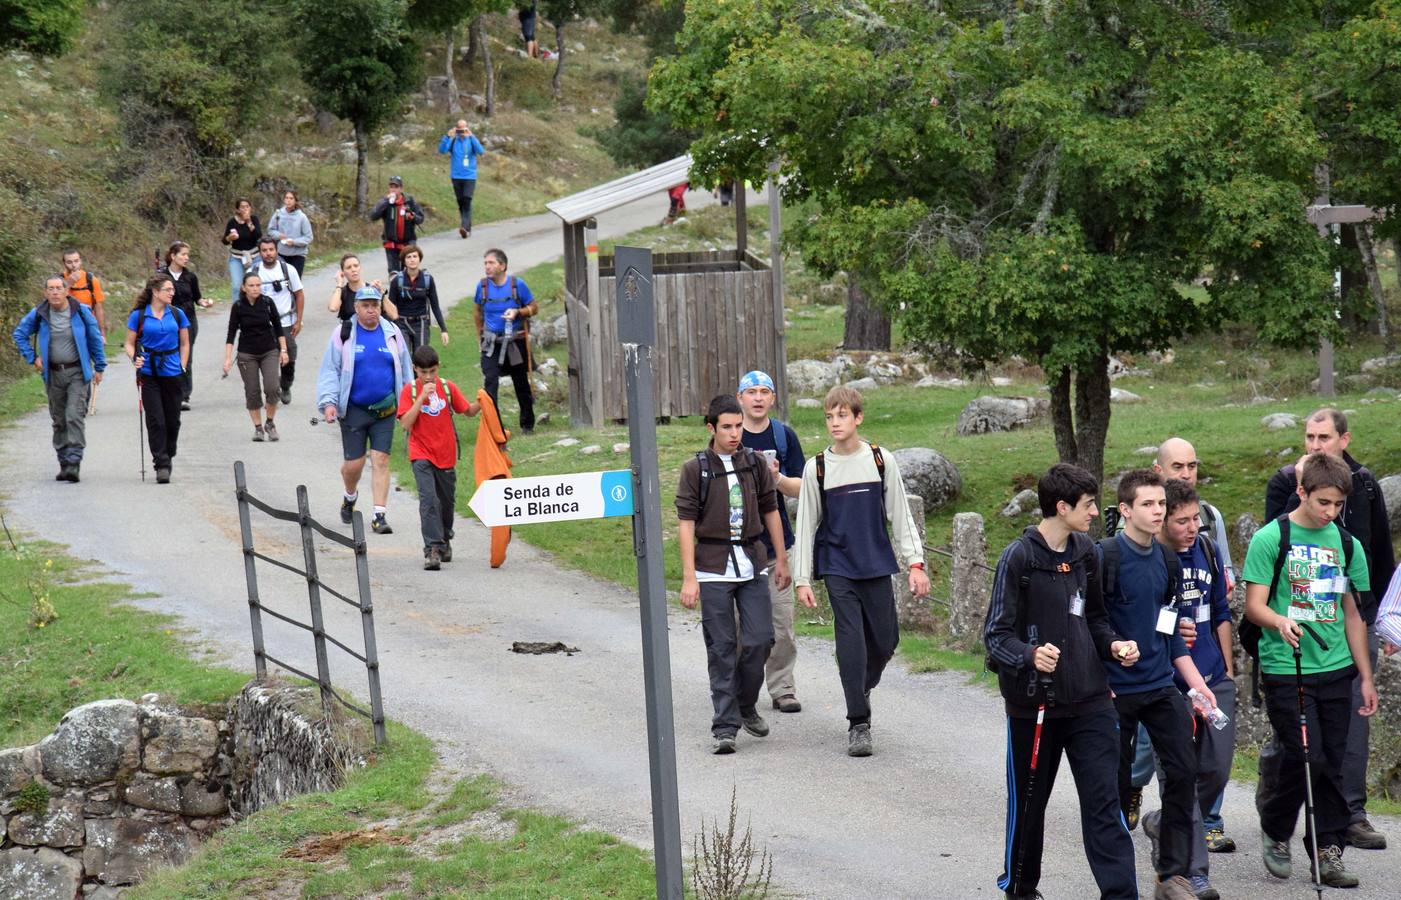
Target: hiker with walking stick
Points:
(1304, 571)
(1047, 634)
(158, 344)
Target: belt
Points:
(59, 367)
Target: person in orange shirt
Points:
(83, 286)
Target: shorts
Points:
(360, 426)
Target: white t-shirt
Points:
(280, 291)
(736, 497)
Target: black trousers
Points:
(867, 632)
(735, 658)
(416, 330)
(187, 380)
(463, 189)
(296, 262)
(437, 490)
(391, 259)
(1091, 743)
(492, 370)
(1168, 718)
(160, 397)
(1328, 709)
(289, 371)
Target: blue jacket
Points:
(92, 349)
(338, 366)
(465, 151)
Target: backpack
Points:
(1110, 555)
(821, 472)
(780, 441)
(427, 281)
(1024, 585)
(1250, 633)
(707, 476)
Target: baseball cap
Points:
(396, 179)
(367, 293)
(755, 379)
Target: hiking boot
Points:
(1031, 895)
(163, 476)
(787, 703)
(380, 525)
(433, 561)
(724, 744)
(445, 551)
(271, 429)
(185, 404)
(462, 233)
(1135, 804)
(1153, 829)
(285, 395)
(858, 741)
(1218, 842)
(1174, 888)
(755, 724)
(258, 434)
(73, 477)
(62, 472)
(1364, 837)
(1276, 855)
(1201, 886)
(347, 510)
(1334, 874)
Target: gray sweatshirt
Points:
(294, 225)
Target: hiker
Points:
(1389, 616)
(463, 148)
(503, 309)
(188, 299)
(779, 443)
(242, 234)
(426, 407)
(414, 293)
(350, 279)
(676, 199)
(1141, 581)
(84, 286)
(283, 285)
(158, 344)
(363, 371)
(401, 214)
(527, 15)
(724, 567)
(290, 227)
(262, 350)
(61, 339)
(1297, 573)
(1364, 515)
(1204, 623)
(849, 492)
(1046, 634)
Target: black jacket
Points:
(187, 293)
(1031, 592)
(1364, 515)
(399, 229)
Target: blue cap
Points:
(755, 379)
(367, 293)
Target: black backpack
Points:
(707, 475)
(1250, 633)
(1024, 584)
(1110, 558)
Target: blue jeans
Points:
(235, 276)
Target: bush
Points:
(641, 138)
(46, 27)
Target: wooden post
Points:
(741, 221)
(779, 374)
(1327, 218)
(593, 375)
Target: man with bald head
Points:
(463, 147)
(1177, 458)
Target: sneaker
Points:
(285, 395)
(434, 561)
(73, 477)
(163, 476)
(271, 429)
(1201, 886)
(858, 741)
(1135, 804)
(1218, 842)
(1276, 855)
(347, 510)
(1334, 874)
(445, 551)
(1152, 829)
(258, 434)
(1364, 837)
(462, 233)
(1174, 888)
(62, 472)
(787, 703)
(1032, 895)
(724, 744)
(380, 525)
(755, 724)
(185, 404)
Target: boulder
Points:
(1025, 503)
(863, 384)
(1391, 494)
(1149, 450)
(177, 744)
(984, 415)
(1118, 395)
(123, 851)
(936, 381)
(98, 741)
(1280, 421)
(203, 798)
(153, 792)
(42, 874)
(18, 767)
(590, 450)
(928, 475)
(1242, 531)
(567, 442)
(812, 376)
(1378, 363)
(61, 825)
(885, 372)
(808, 403)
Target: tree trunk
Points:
(474, 42)
(1367, 248)
(557, 82)
(479, 38)
(454, 105)
(362, 168)
(1354, 282)
(1062, 417)
(867, 326)
(1092, 415)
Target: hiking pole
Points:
(140, 428)
(1308, 770)
(1042, 682)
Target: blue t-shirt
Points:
(1203, 600)
(1139, 591)
(498, 299)
(792, 466)
(160, 339)
(374, 368)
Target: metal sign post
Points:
(553, 498)
(637, 331)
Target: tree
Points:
(1036, 180)
(560, 13)
(445, 17)
(359, 61)
(640, 137)
(46, 27)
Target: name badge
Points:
(1203, 613)
(1167, 620)
(1077, 605)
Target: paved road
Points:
(922, 818)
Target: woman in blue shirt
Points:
(158, 344)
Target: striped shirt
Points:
(1389, 613)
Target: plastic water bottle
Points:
(1215, 716)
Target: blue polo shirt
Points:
(497, 300)
(160, 339)
(373, 379)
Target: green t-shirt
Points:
(1310, 590)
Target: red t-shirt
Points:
(433, 437)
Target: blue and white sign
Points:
(554, 498)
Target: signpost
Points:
(1327, 217)
(553, 498)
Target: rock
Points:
(1287, 453)
(542, 419)
(567, 442)
(18, 767)
(970, 584)
(177, 744)
(98, 741)
(863, 384)
(61, 825)
(104, 892)
(591, 449)
(549, 368)
(1116, 367)
(1116, 395)
(203, 798)
(984, 415)
(1391, 494)
(1378, 363)
(912, 613)
(1001, 381)
(622, 448)
(1243, 530)
(42, 874)
(1027, 501)
(100, 803)
(812, 376)
(928, 474)
(1391, 393)
(1280, 421)
(1147, 451)
(808, 403)
(936, 381)
(123, 851)
(153, 792)
(885, 372)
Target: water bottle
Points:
(1215, 716)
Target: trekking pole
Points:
(1308, 770)
(140, 428)
(1042, 682)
